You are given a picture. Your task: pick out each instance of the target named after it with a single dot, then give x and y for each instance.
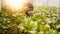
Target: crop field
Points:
(42, 20)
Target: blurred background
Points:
(39, 17)
(46, 2)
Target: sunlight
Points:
(15, 4)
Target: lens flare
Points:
(15, 4)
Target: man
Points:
(16, 6)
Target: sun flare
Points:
(15, 4)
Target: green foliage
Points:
(42, 20)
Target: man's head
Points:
(30, 6)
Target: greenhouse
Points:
(29, 16)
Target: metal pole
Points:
(0, 5)
(58, 3)
(47, 3)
